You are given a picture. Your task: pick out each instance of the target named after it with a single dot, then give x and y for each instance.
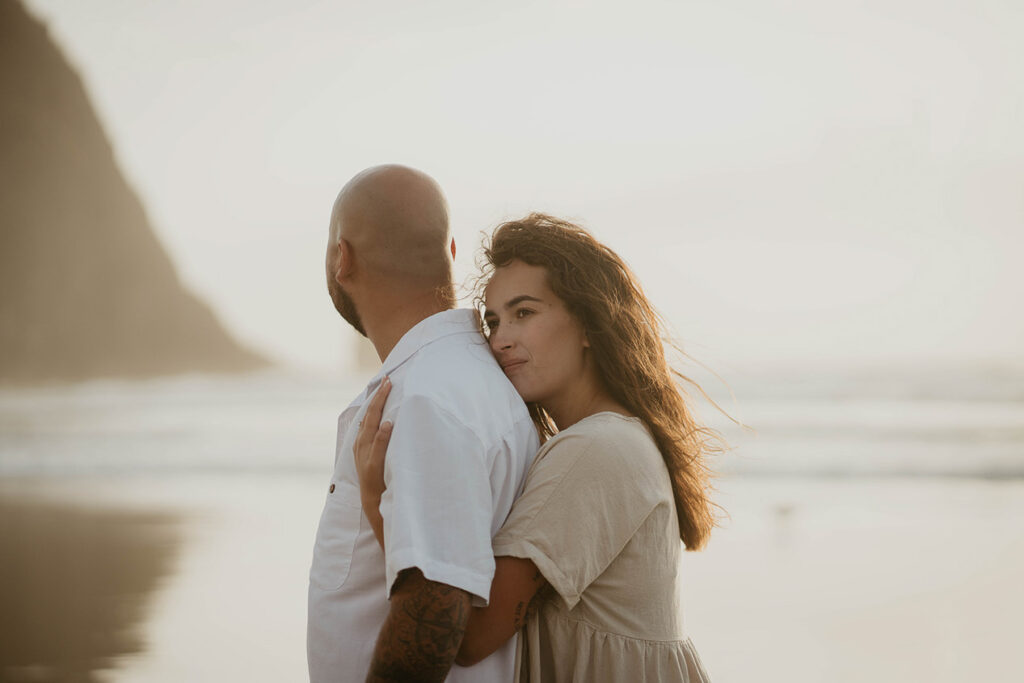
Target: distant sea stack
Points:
(86, 290)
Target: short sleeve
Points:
(437, 507)
(582, 503)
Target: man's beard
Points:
(345, 306)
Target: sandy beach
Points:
(203, 579)
(162, 532)
(76, 582)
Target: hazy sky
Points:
(793, 181)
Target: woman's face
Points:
(538, 344)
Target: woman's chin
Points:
(523, 391)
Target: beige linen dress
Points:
(598, 519)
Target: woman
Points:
(587, 562)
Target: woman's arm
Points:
(517, 590)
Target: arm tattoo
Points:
(423, 630)
(525, 611)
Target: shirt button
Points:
(332, 489)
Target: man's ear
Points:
(453, 248)
(345, 261)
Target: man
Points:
(460, 446)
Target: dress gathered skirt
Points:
(598, 518)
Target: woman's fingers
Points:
(375, 410)
(373, 414)
(380, 442)
(379, 449)
(370, 448)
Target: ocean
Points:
(872, 527)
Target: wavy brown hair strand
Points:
(625, 335)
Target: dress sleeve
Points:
(582, 503)
(437, 508)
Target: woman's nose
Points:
(500, 340)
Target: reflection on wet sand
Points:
(75, 584)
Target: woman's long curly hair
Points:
(625, 335)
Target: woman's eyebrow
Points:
(512, 302)
(520, 299)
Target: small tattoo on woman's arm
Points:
(539, 598)
(517, 620)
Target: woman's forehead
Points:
(514, 279)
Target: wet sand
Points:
(162, 532)
(849, 580)
(884, 580)
(225, 599)
(76, 584)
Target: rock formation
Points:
(86, 289)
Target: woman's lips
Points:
(512, 365)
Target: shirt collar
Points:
(443, 324)
(426, 331)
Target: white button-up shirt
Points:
(459, 451)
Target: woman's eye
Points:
(523, 312)
(491, 324)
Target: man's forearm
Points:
(422, 633)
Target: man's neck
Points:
(395, 320)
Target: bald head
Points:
(396, 220)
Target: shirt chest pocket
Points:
(336, 537)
